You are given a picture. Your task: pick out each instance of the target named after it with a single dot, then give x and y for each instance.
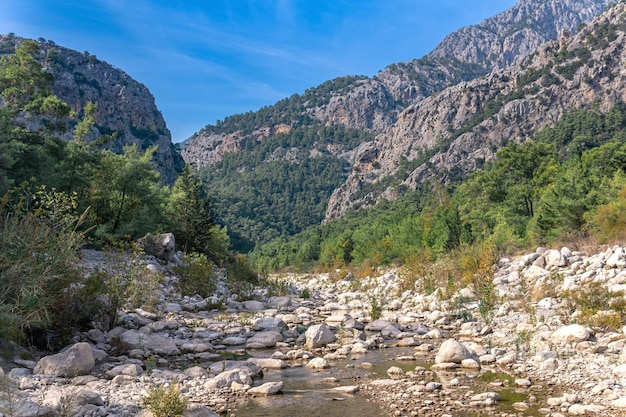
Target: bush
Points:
(165, 402)
(38, 272)
(241, 276)
(196, 276)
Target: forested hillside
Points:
(356, 170)
(567, 183)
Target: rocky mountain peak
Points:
(123, 104)
(454, 132)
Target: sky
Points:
(206, 60)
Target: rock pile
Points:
(558, 358)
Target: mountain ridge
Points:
(124, 105)
(472, 120)
(374, 105)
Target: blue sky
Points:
(205, 60)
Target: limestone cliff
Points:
(455, 131)
(374, 103)
(124, 105)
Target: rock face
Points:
(451, 133)
(387, 101)
(77, 360)
(375, 103)
(124, 105)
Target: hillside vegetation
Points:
(567, 183)
(59, 195)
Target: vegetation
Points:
(264, 194)
(60, 195)
(565, 183)
(165, 401)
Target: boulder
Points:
(227, 378)
(319, 336)
(154, 343)
(573, 333)
(269, 323)
(269, 363)
(161, 246)
(264, 340)
(77, 360)
(452, 351)
(556, 258)
(269, 388)
(318, 363)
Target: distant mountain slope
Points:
(244, 158)
(124, 105)
(374, 103)
(454, 132)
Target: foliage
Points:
(196, 275)
(241, 276)
(375, 309)
(36, 272)
(192, 221)
(165, 401)
(280, 185)
(597, 307)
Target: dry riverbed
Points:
(423, 356)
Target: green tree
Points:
(126, 198)
(192, 220)
(25, 89)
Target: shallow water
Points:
(309, 393)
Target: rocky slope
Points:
(124, 105)
(532, 355)
(374, 103)
(454, 132)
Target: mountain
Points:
(237, 155)
(454, 132)
(374, 103)
(124, 105)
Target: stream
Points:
(310, 393)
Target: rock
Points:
(573, 333)
(31, 409)
(319, 335)
(227, 378)
(77, 360)
(269, 363)
(253, 305)
(378, 325)
(454, 352)
(161, 246)
(154, 343)
(394, 371)
(585, 409)
(196, 372)
(199, 411)
(264, 340)
(347, 389)
(470, 364)
(269, 388)
(555, 258)
(318, 363)
(128, 369)
(619, 403)
(620, 371)
(270, 323)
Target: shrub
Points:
(196, 276)
(38, 272)
(241, 277)
(165, 402)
